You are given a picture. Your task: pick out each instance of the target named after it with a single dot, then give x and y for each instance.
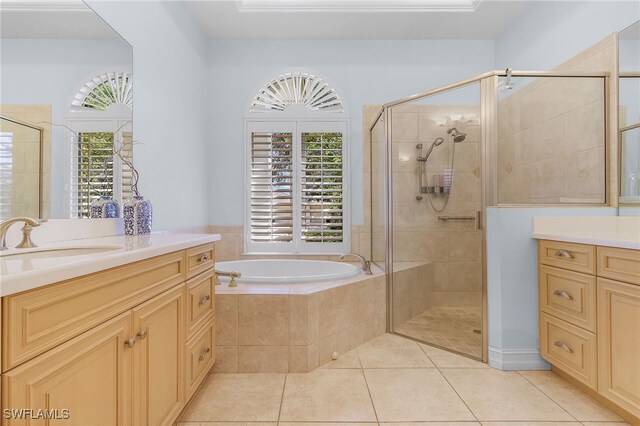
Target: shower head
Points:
(436, 142)
(456, 134)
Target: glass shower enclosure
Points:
(440, 158)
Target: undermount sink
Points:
(61, 251)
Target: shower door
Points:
(435, 258)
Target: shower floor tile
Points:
(451, 328)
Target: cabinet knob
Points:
(563, 253)
(204, 354)
(563, 346)
(131, 341)
(564, 294)
(205, 299)
(203, 258)
(143, 333)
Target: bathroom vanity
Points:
(127, 343)
(589, 307)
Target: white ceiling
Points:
(52, 19)
(222, 20)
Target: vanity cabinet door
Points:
(87, 379)
(619, 343)
(158, 381)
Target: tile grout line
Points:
(545, 394)
(373, 405)
(449, 383)
(284, 385)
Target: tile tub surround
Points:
(391, 380)
(295, 328)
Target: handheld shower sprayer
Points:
(444, 187)
(436, 142)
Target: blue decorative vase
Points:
(103, 208)
(138, 214)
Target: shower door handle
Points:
(479, 220)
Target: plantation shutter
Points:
(126, 179)
(272, 185)
(296, 188)
(93, 173)
(322, 212)
(94, 170)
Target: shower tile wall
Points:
(552, 134)
(451, 249)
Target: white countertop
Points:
(26, 273)
(610, 231)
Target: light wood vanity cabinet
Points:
(589, 301)
(90, 376)
(122, 358)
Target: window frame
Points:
(297, 126)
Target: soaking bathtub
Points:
(287, 271)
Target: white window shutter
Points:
(322, 202)
(272, 181)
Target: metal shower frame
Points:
(40, 130)
(488, 160)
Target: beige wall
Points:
(551, 143)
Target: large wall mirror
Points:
(629, 114)
(66, 108)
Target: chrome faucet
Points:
(29, 224)
(365, 265)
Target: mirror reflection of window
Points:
(60, 64)
(100, 120)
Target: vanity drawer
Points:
(38, 320)
(200, 301)
(201, 354)
(569, 348)
(200, 259)
(619, 264)
(568, 295)
(571, 256)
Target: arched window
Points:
(297, 170)
(104, 90)
(297, 88)
(99, 121)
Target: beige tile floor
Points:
(448, 327)
(391, 380)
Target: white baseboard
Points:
(517, 359)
